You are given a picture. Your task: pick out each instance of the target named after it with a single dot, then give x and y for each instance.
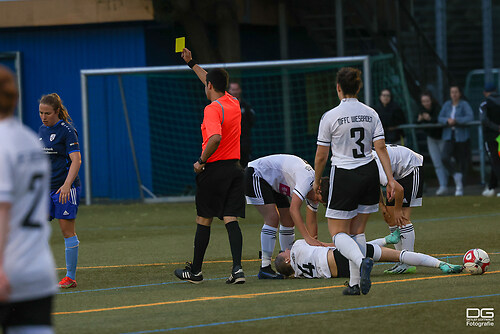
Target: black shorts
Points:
(353, 191)
(220, 191)
(343, 263)
(35, 312)
(259, 192)
(413, 186)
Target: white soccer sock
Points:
(418, 259)
(287, 237)
(399, 245)
(267, 242)
(361, 241)
(381, 242)
(408, 237)
(350, 249)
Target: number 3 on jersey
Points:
(359, 142)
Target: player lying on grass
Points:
(305, 261)
(270, 182)
(406, 166)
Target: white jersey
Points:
(403, 162)
(350, 129)
(310, 261)
(24, 182)
(286, 174)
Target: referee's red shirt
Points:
(223, 117)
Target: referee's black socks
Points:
(201, 240)
(235, 240)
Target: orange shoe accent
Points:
(67, 282)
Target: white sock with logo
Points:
(267, 242)
(287, 237)
(408, 237)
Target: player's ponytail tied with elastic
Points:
(56, 103)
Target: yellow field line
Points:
(253, 295)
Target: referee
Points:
(219, 180)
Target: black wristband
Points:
(191, 63)
(201, 162)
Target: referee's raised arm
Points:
(200, 72)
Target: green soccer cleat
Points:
(449, 268)
(401, 268)
(393, 238)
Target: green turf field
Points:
(128, 254)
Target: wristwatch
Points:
(201, 162)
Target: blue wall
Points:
(52, 58)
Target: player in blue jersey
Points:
(60, 142)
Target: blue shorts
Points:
(67, 210)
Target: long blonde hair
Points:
(56, 103)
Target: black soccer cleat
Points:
(351, 290)
(366, 269)
(187, 274)
(237, 276)
(268, 273)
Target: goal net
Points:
(142, 125)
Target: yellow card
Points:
(180, 44)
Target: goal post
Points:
(141, 126)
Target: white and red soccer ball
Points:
(476, 261)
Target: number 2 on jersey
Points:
(359, 142)
(36, 188)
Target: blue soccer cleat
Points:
(366, 269)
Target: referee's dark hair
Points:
(219, 79)
(349, 79)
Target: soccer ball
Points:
(476, 261)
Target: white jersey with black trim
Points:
(24, 183)
(350, 129)
(287, 174)
(403, 162)
(310, 261)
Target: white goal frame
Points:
(84, 74)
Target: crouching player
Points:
(306, 261)
(269, 182)
(407, 170)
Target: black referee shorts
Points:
(220, 190)
(35, 312)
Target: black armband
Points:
(201, 162)
(191, 63)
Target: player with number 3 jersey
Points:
(349, 130)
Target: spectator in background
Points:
(489, 112)
(391, 116)
(428, 114)
(455, 113)
(247, 121)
